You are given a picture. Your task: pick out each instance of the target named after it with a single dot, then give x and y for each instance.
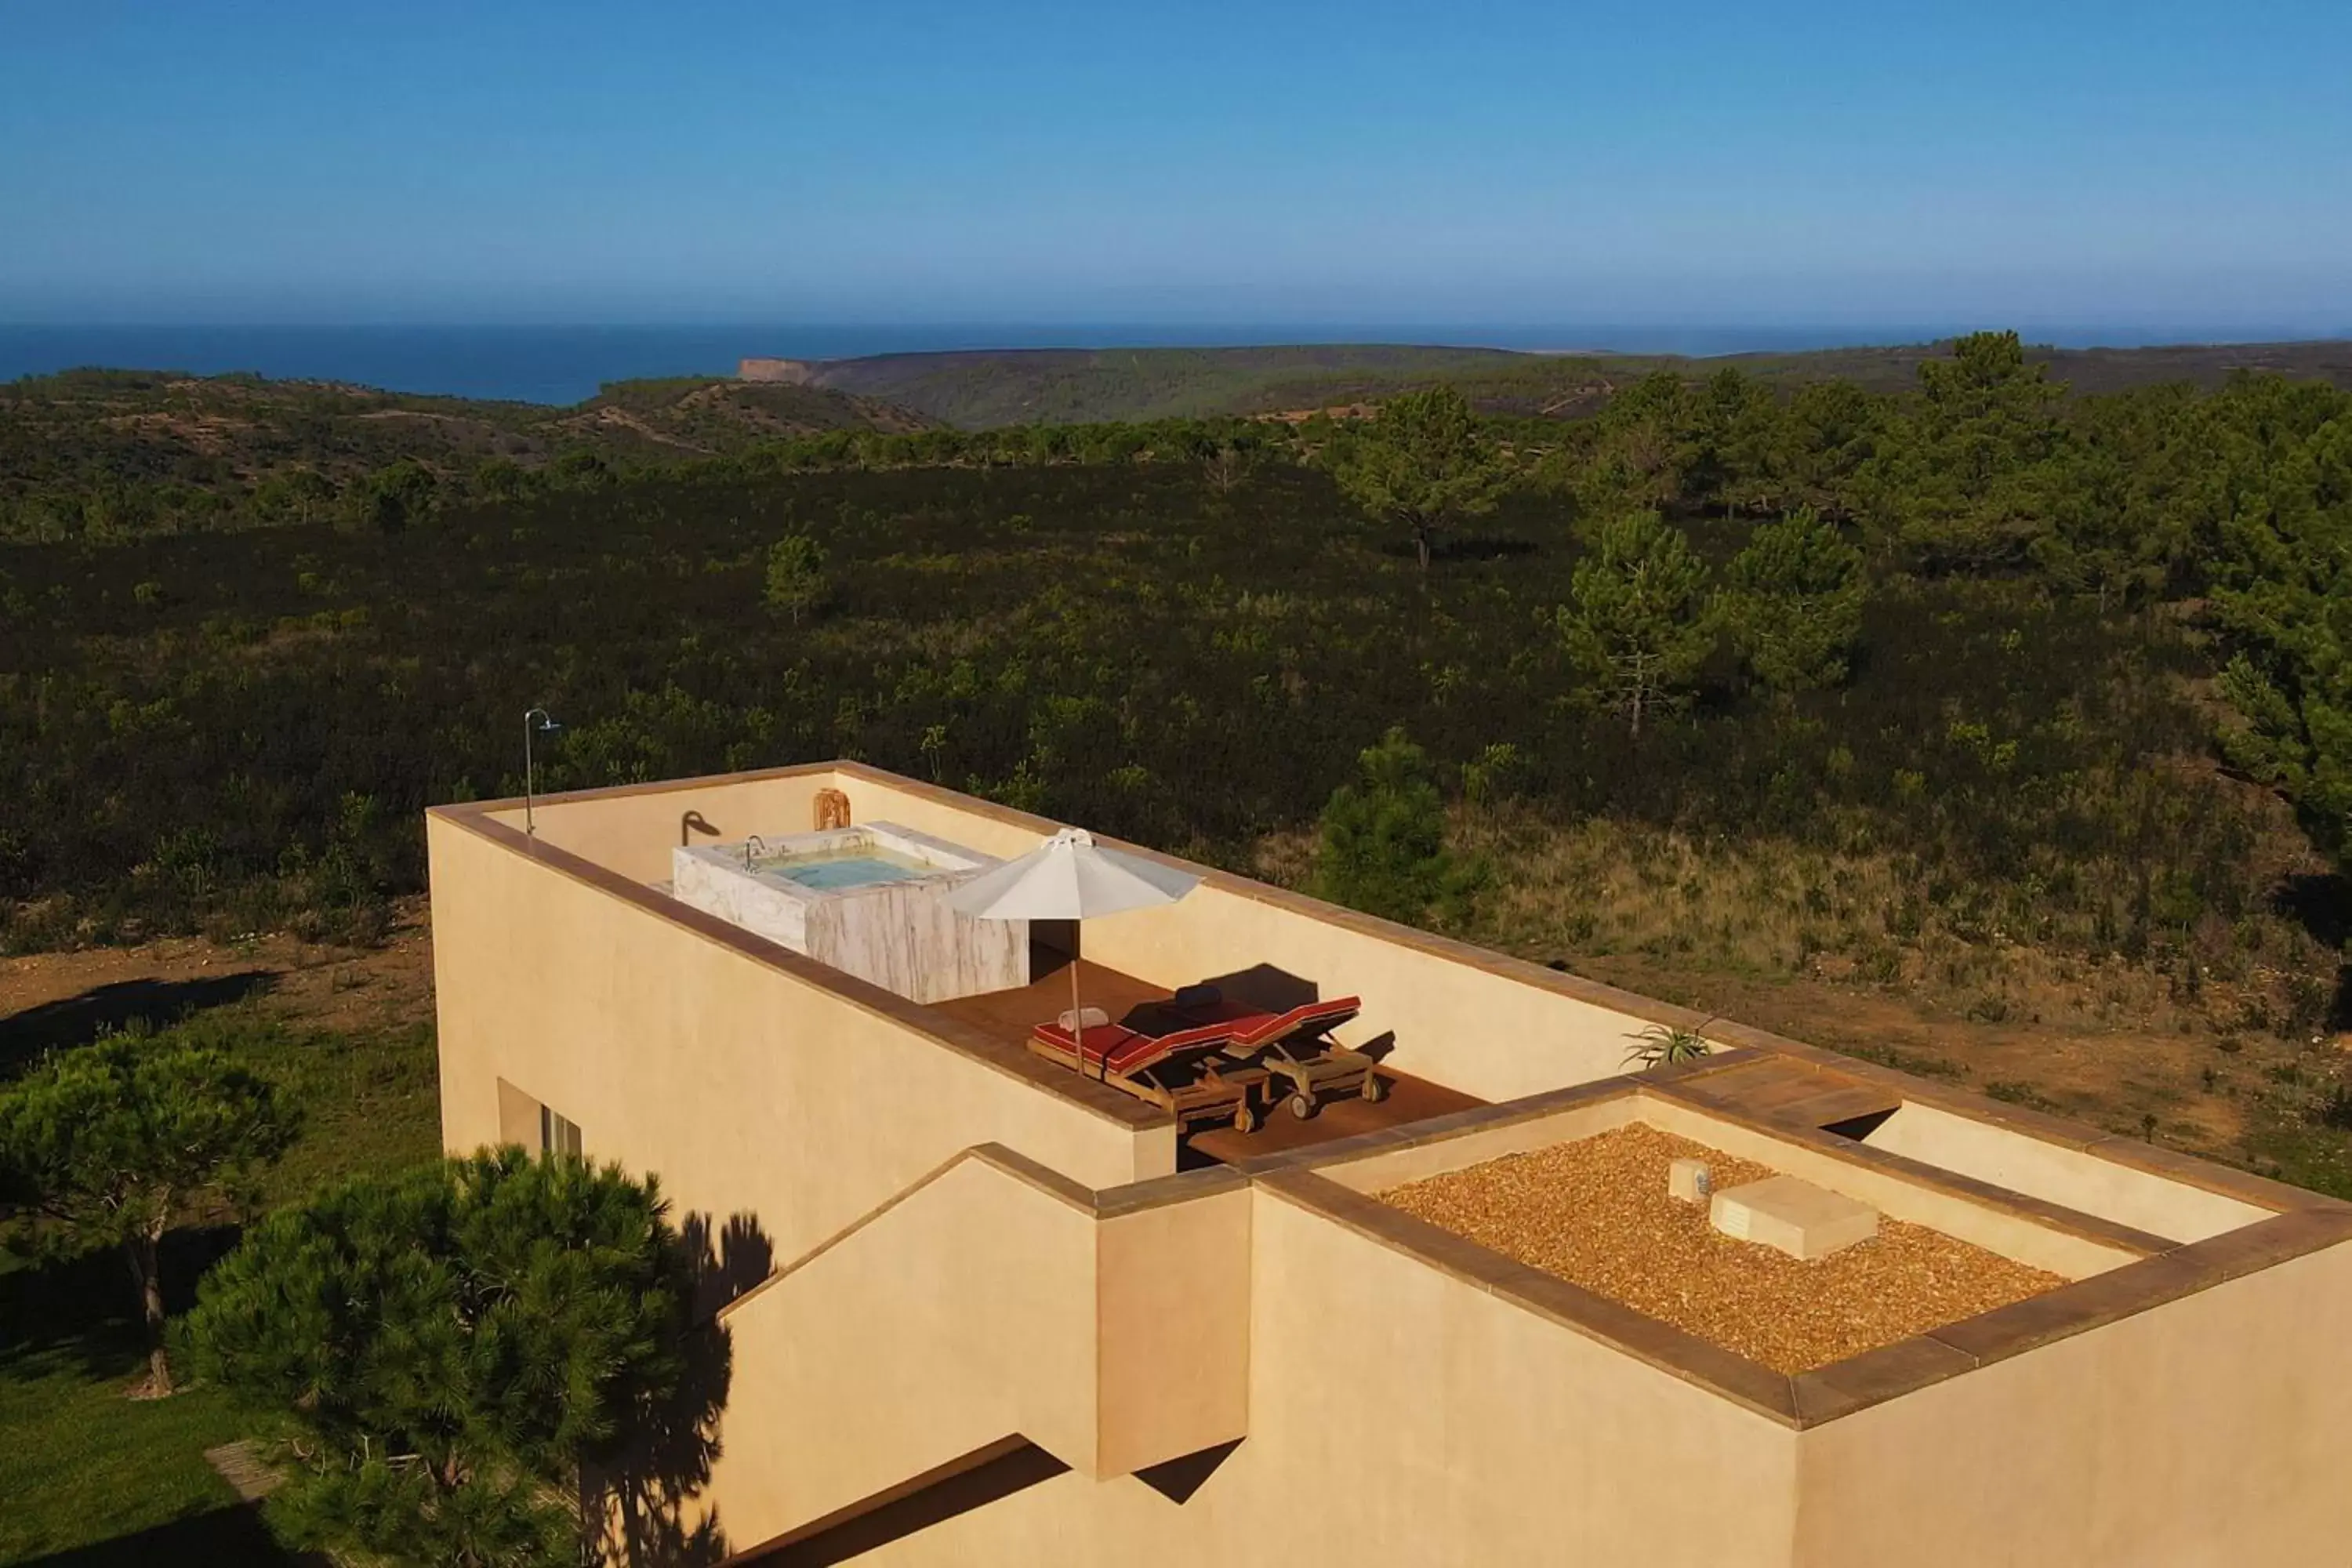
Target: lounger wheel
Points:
(1374, 1090)
(1302, 1105)
(1245, 1117)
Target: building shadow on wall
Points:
(730, 1256)
(652, 1494)
(1177, 1479)
(1267, 988)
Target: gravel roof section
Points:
(1595, 1212)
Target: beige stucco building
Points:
(985, 1311)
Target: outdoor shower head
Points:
(545, 725)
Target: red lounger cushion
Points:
(1114, 1048)
(1102, 1039)
(1267, 1029)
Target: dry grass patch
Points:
(1595, 1212)
(2213, 1040)
(1773, 909)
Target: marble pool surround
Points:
(894, 931)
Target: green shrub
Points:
(795, 579)
(1381, 844)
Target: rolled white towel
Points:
(1095, 1018)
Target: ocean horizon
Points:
(566, 364)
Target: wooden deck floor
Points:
(1797, 1094)
(1009, 1016)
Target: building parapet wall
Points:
(754, 1082)
(997, 1297)
(2061, 1173)
(2204, 1433)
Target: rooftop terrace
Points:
(1009, 1016)
(1468, 1291)
(2001, 1225)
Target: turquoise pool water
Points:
(831, 873)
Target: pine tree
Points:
(1639, 622)
(1793, 599)
(1973, 476)
(1745, 460)
(115, 1142)
(452, 1344)
(2285, 602)
(1424, 462)
(1832, 430)
(1649, 446)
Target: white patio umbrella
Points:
(1070, 877)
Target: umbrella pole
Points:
(1078, 1013)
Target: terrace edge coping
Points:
(2259, 1190)
(1553, 1102)
(1576, 987)
(1681, 1355)
(1441, 1128)
(2050, 1216)
(1100, 1204)
(2153, 1159)
(961, 1038)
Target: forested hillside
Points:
(2023, 707)
(984, 389)
(112, 453)
(980, 390)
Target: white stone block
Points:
(1796, 1217)
(1689, 1179)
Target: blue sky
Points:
(2065, 160)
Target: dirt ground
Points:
(63, 998)
(2199, 1089)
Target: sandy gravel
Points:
(1595, 1212)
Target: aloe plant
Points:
(1660, 1045)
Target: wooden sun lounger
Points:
(1187, 1073)
(1294, 1046)
(1224, 1069)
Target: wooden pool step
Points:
(1795, 1093)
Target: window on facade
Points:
(556, 1135)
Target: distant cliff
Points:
(793, 371)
